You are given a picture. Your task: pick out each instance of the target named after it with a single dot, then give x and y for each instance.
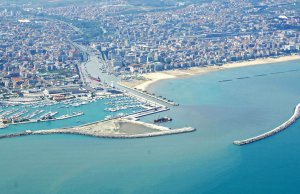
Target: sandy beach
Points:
(177, 73)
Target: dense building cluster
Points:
(89, 12)
(39, 50)
(196, 35)
(200, 35)
(36, 53)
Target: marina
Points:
(44, 118)
(125, 105)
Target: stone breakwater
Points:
(278, 129)
(120, 136)
(108, 129)
(161, 99)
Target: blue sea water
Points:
(93, 111)
(204, 161)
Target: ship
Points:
(163, 120)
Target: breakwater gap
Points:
(259, 75)
(274, 131)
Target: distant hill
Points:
(151, 3)
(157, 3)
(49, 2)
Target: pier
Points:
(147, 112)
(156, 107)
(67, 116)
(150, 95)
(278, 129)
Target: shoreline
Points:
(180, 73)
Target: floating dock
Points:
(278, 129)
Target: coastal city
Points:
(194, 35)
(71, 55)
(149, 96)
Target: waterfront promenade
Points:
(278, 129)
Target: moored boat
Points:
(163, 120)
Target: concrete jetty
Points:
(150, 95)
(282, 127)
(109, 129)
(63, 117)
(147, 112)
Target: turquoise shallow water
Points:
(201, 162)
(93, 111)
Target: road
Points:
(92, 68)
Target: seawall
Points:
(115, 136)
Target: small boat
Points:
(163, 120)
